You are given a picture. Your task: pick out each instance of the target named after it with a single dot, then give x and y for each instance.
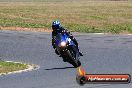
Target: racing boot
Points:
(75, 41)
(80, 53)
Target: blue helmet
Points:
(56, 25)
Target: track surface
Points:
(102, 54)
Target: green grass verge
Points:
(121, 28)
(114, 29)
(76, 15)
(83, 28)
(7, 22)
(6, 67)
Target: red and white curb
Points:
(30, 67)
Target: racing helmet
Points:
(56, 25)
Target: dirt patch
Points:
(26, 29)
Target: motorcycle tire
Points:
(75, 62)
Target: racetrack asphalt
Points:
(102, 54)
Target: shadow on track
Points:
(59, 68)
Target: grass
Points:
(76, 15)
(6, 67)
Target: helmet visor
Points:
(55, 27)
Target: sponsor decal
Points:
(83, 78)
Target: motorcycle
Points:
(67, 49)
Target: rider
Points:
(57, 28)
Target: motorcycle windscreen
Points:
(61, 37)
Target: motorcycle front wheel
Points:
(72, 59)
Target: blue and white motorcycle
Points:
(67, 49)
